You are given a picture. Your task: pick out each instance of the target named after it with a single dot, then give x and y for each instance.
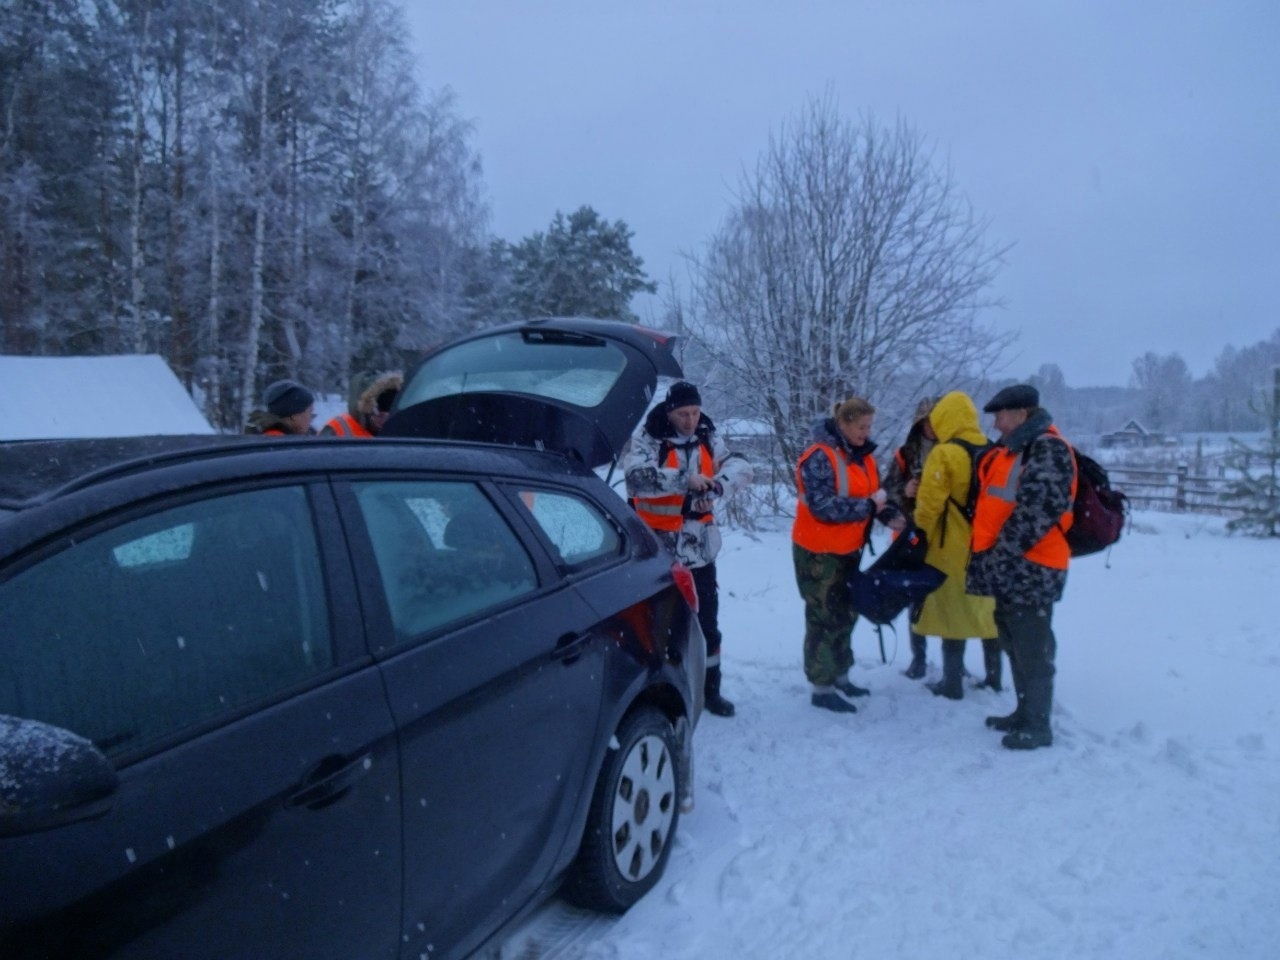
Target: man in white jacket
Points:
(676, 468)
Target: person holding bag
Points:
(838, 484)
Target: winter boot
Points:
(832, 698)
(714, 702)
(950, 686)
(849, 688)
(1027, 739)
(1036, 704)
(992, 663)
(1007, 723)
(917, 668)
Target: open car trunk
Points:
(575, 386)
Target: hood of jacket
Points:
(367, 399)
(955, 417)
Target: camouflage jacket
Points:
(907, 462)
(1044, 494)
(820, 480)
(695, 544)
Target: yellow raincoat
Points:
(949, 612)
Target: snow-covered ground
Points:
(1151, 828)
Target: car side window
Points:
(581, 532)
(444, 552)
(166, 621)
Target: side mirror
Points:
(49, 777)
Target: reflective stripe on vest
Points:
(1001, 476)
(345, 425)
(666, 512)
(851, 480)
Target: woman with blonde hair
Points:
(839, 496)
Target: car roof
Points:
(37, 471)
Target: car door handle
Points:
(570, 647)
(329, 780)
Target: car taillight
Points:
(684, 580)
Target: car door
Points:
(255, 816)
(493, 669)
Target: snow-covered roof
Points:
(46, 398)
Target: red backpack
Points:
(1099, 509)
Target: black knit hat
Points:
(284, 398)
(682, 394)
(1020, 396)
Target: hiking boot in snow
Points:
(950, 686)
(712, 700)
(992, 665)
(918, 651)
(952, 691)
(718, 705)
(831, 698)
(1026, 739)
(851, 689)
(1005, 724)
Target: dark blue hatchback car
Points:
(328, 698)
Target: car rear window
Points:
(579, 371)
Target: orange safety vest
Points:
(274, 432)
(852, 480)
(1001, 475)
(666, 512)
(345, 425)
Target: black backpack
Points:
(976, 452)
(1099, 510)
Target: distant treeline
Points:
(1164, 397)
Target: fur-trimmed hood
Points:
(366, 401)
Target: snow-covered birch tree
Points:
(849, 264)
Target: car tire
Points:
(633, 819)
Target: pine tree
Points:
(582, 266)
(1256, 492)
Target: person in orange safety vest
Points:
(677, 468)
(1020, 553)
(839, 490)
(370, 410)
(290, 410)
(901, 483)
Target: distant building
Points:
(1133, 434)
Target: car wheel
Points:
(633, 818)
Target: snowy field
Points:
(1151, 829)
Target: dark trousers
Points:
(1026, 636)
(704, 581)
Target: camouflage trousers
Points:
(828, 613)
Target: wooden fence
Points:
(1170, 488)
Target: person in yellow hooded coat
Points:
(949, 612)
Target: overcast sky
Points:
(1130, 151)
